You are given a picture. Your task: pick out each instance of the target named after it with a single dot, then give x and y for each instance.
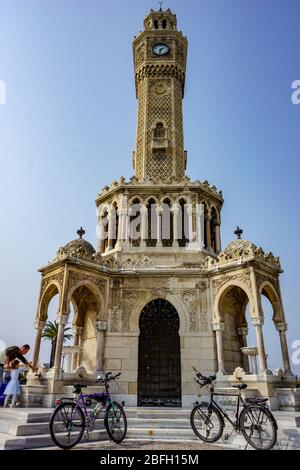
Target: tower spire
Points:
(160, 6)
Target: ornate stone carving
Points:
(59, 278)
(140, 55)
(115, 319)
(273, 280)
(243, 278)
(76, 277)
(190, 300)
(129, 299)
(240, 250)
(202, 288)
(79, 248)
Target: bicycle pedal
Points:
(226, 437)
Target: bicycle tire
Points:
(54, 435)
(247, 414)
(205, 411)
(111, 414)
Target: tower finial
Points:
(80, 232)
(160, 6)
(238, 232)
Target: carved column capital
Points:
(62, 319)
(77, 330)
(257, 321)
(39, 325)
(101, 326)
(242, 330)
(281, 326)
(219, 326)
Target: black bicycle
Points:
(255, 421)
(71, 416)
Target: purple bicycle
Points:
(71, 416)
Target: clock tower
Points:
(159, 63)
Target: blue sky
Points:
(68, 128)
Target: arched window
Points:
(152, 223)
(104, 232)
(164, 24)
(159, 131)
(155, 24)
(115, 221)
(135, 223)
(205, 226)
(167, 224)
(213, 223)
(183, 224)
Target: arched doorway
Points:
(159, 369)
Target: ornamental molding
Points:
(243, 278)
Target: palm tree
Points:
(50, 333)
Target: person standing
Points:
(13, 387)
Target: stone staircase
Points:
(25, 428)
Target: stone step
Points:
(25, 429)
(32, 415)
(28, 428)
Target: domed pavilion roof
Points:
(78, 248)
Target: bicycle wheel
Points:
(259, 427)
(115, 422)
(67, 425)
(207, 422)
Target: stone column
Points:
(258, 323)
(200, 226)
(218, 238)
(158, 225)
(208, 232)
(102, 235)
(144, 226)
(281, 327)
(77, 332)
(243, 332)
(190, 224)
(111, 229)
(101, 327)
(62, 320)
(39, 326)
(219, 328)
(175, 211)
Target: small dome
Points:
(79, 248)
(242, 247)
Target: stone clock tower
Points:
(158, 296)
(159, 64)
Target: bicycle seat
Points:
(256, 400)
(78, 387)
(240, 386)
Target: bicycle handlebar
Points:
(202, 380)
(108, 377)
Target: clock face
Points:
(160, 49)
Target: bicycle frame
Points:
(240, 401)
(81, 401)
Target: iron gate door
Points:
(159, 370)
